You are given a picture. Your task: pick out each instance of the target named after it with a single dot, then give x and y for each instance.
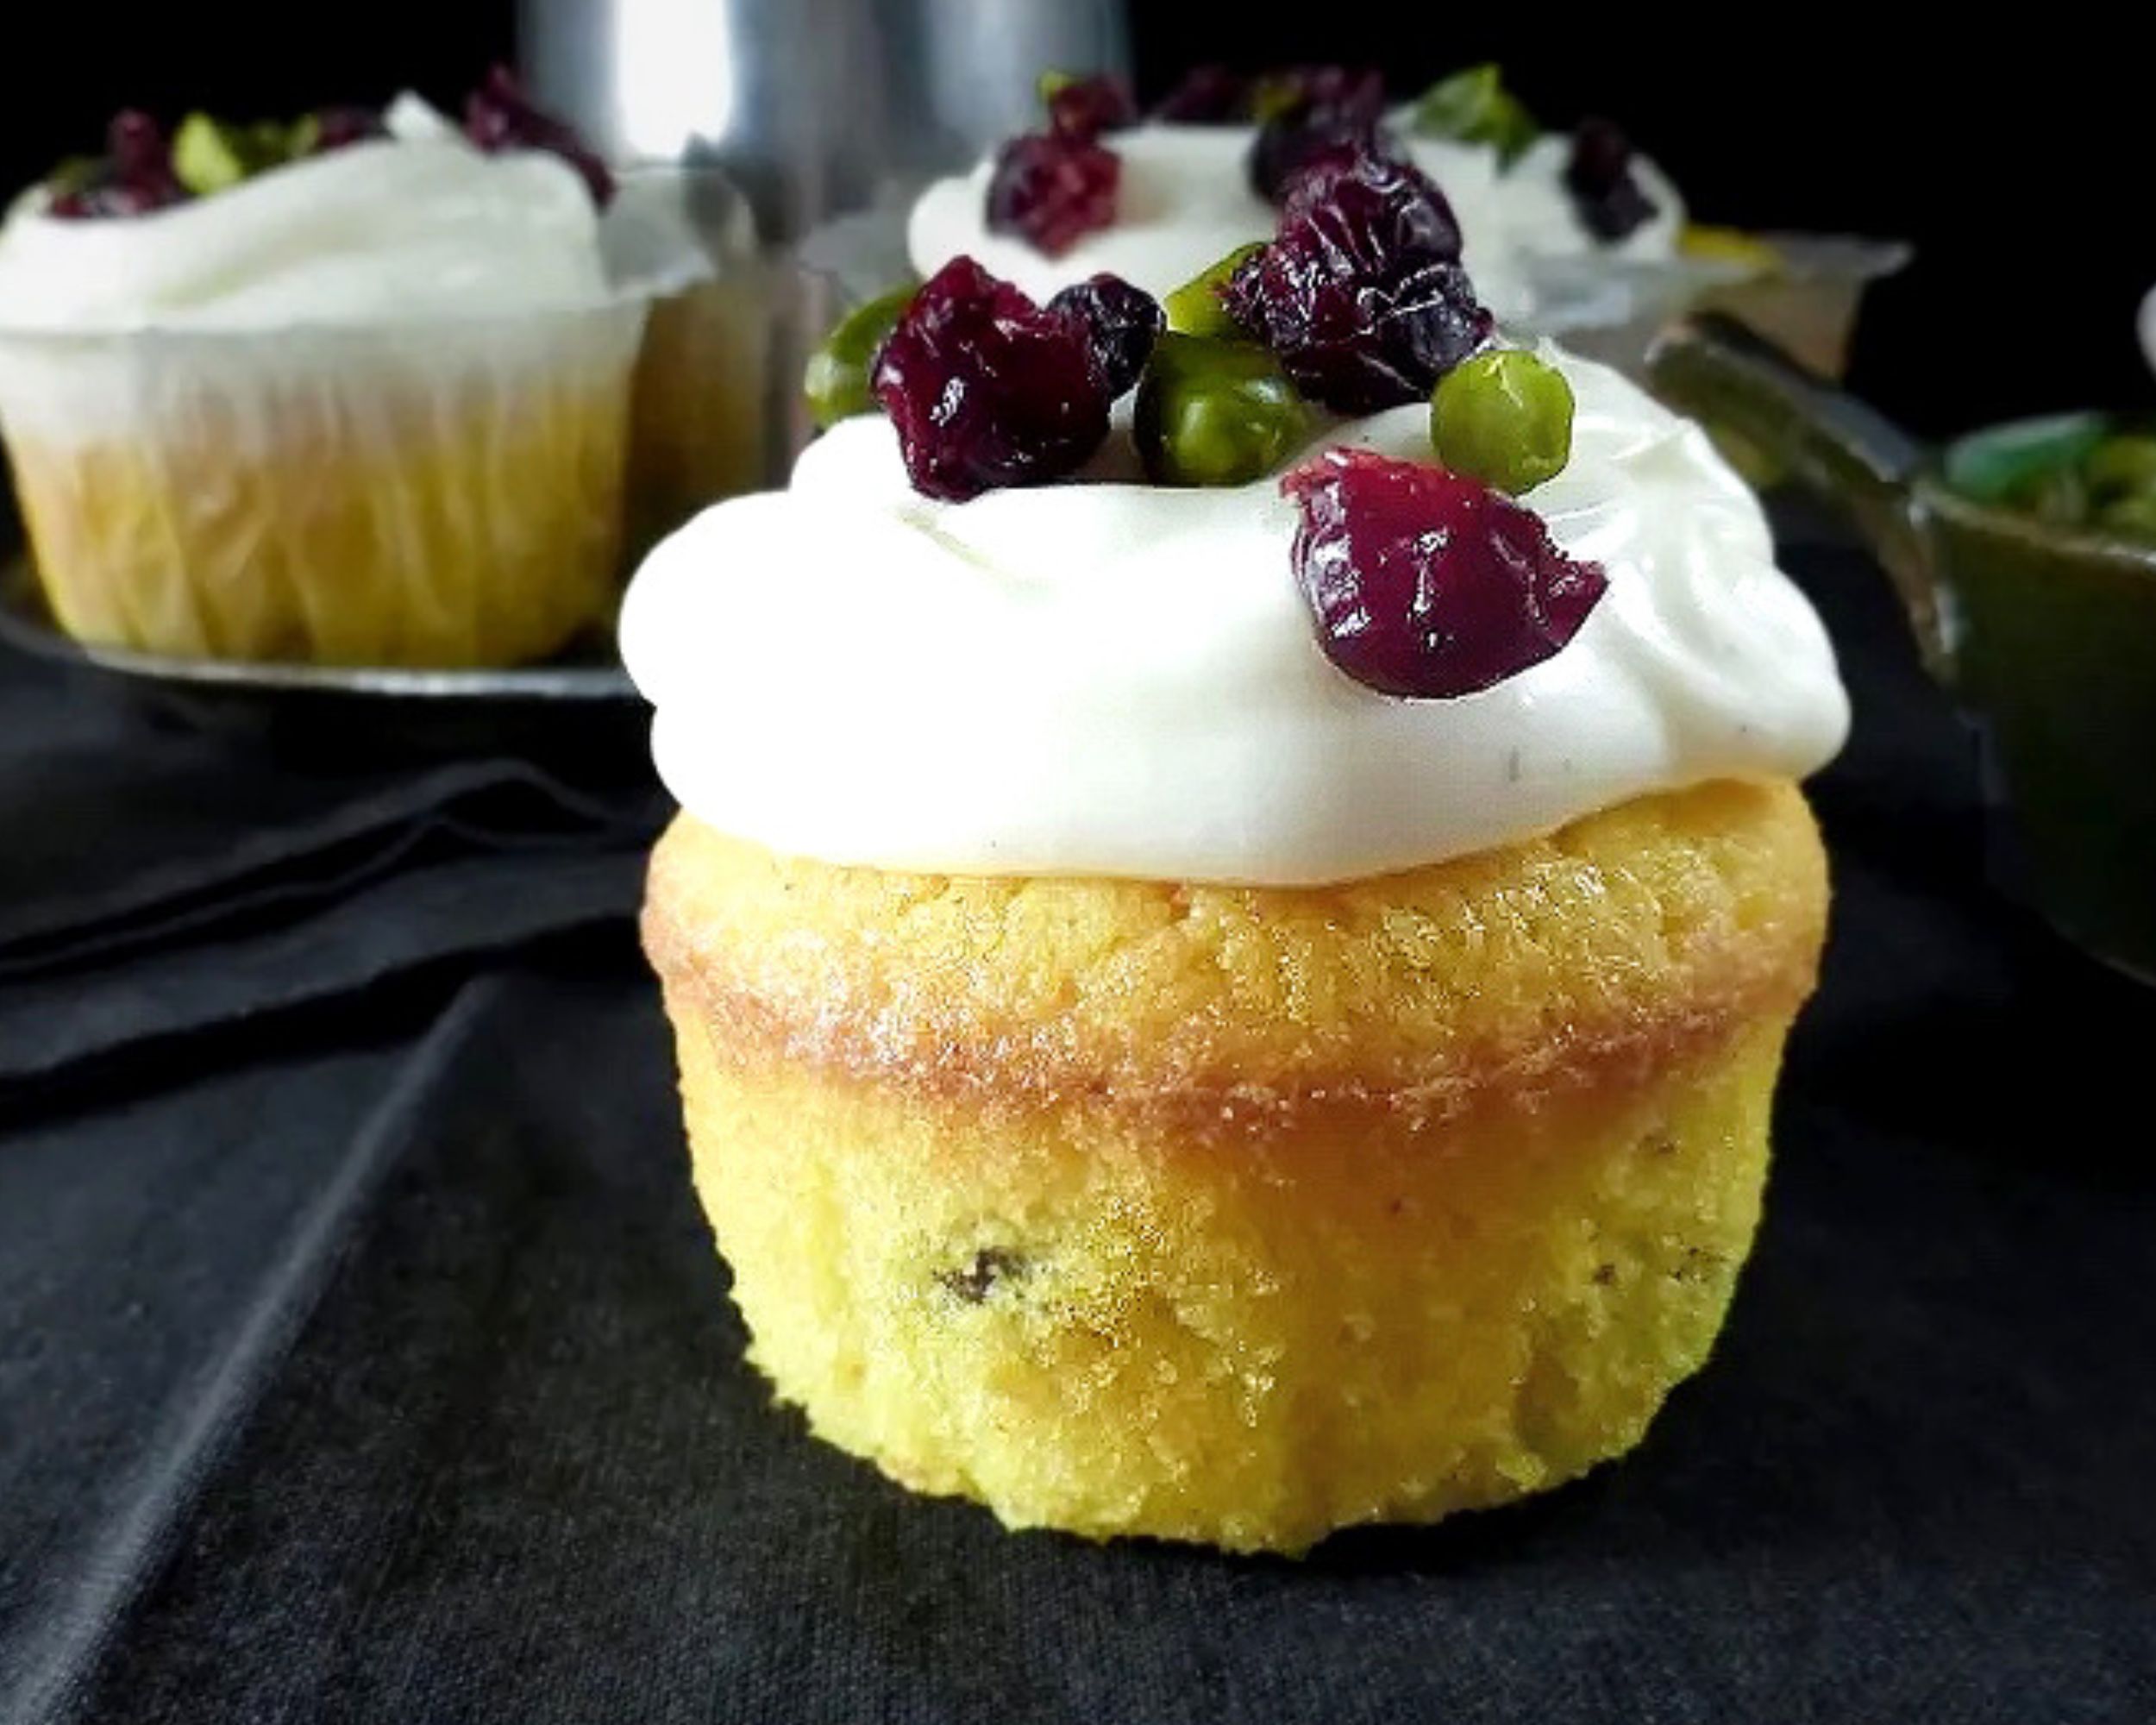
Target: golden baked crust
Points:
(1241, 1216)
(1608, 947)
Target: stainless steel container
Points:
(818, 108)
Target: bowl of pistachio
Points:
(2025, 555)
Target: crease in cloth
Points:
(152, 1508)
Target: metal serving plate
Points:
(581, 702)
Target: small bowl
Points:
(2045, 633)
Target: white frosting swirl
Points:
(420, 224)
(1183, 201)
(1116, 678)
(1541, 221)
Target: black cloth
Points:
(368, 1360)
(158, 879)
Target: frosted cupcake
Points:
(353, 392)
(1229, 952)
(1158, 202)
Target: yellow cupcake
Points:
(421, 496)
(1235, 1215)
(353, 401)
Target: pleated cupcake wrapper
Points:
(702, 419)
(440, 492)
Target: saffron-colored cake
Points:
(1241, 1215)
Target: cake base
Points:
(1302, 1210)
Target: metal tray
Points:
(581, 702)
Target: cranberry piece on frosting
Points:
(1051, 191)
(498, 116)
(1086, 107)
(1121, 323)
(1605, 190)
(987, 389)
(1320, 110)
(1425, 585)
(1361, 292)
(135, 177)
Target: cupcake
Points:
(1229, 951)
(1158, 201)
(697, 419)
(353, 392)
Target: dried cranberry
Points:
(1425, 584)
(1387, 196)
(1360, 293)
(336, 128)
(135, 177)
(1120, 321)
(1208, 96)
(1087, 107)
(1605, 190)
(1309, 112)
(987, 388)
(107, 198)
(1051, 190)
(498, 116)
(138, 146)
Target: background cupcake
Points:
(1191, 183)
(352, 392)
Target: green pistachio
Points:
(835, 379)
(2122, 467)
(1195, 309)
(1474, 107)
(1215, 413)
(208, 156)
(1503, 417)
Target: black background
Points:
(2013, 149)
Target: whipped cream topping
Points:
(1116, 678)
(1541, 220)
(420, 224)
(1183, 201)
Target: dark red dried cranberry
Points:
(1087, 107)
(1382, 190)
(498, 116)
(1425, 584)
(1120, 321)
(138, 146)
(337, 128)
(987, 388)
(1208, 96)
(1360, 293)
(1330, 110)
(1605, 190)
(103, 199)
(1050, 191)
(135, 177)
